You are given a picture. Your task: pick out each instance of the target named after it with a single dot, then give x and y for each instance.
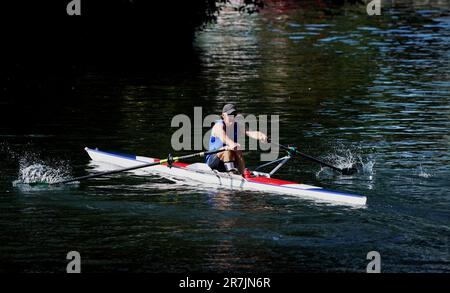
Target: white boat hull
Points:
(201, 173)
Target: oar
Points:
(345, 171)
(169, 160)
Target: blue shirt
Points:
(215, 142)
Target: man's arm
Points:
(220, 133)
(258, 135)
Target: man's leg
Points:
(228, 158)
(215, 163)
(234, 156)
(239, 158)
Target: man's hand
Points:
(258, 135)
(262, 137)
(234, 146)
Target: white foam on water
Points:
(344, 157)
(33, 170)
(39, 173)
(367, 166)
(423, 173)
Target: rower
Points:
(231, 160)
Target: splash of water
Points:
(39, 173)
(367, 166)
(34, 170)
(343, 157)
(423, 173)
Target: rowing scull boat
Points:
(200, 172)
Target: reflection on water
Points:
(340, 81)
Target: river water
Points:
(345, 86)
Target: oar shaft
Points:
(108, 173)
(308, 157)
(317, 161)
(160, 162)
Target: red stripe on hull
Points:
(273, 181)
(181, 165)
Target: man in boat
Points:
(231, 160)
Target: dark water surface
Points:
(340, 81)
